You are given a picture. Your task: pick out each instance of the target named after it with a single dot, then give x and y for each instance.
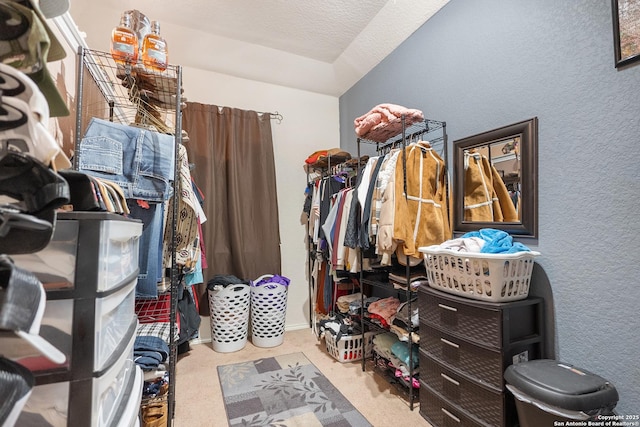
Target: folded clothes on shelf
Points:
(402, 315)
(403, 334)
(355, 305)
(149, 352)
(384, 121)
(344, 302)
(407, 355)
(382, 344)
(384, 309)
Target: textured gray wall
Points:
(482, 64)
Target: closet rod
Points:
(392, 144)
(275, 116)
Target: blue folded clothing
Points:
(497, 241)
(148, 343)
(401, 350)
(146, 363)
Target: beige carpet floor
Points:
(199, 398)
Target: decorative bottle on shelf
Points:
(154, 49)
(124, 42)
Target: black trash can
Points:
(547, 391)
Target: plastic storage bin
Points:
(113, 320)
(110, 246)
(229, 309)
(268, 312)
(485, 277)
(548, 392)
(107, 392)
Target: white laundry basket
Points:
(268, 312)
(498, 277)
(229, 308)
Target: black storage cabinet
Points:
(548, 391)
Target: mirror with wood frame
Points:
(496, 180)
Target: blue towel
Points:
(497, 241)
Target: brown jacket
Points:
(486, 198)
(421, 215)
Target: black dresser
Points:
(465, 346)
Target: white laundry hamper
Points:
(229, 307)
(268, 311)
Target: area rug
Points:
(286, 390)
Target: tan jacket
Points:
(486, 198)
(421, 215)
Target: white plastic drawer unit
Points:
(95, 402)
(90, 251)
(112, 387)
(113, 319)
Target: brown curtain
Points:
(232, 151)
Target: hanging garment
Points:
(486, 197)
(140, 161)
(314, 220)
(186, 224)
(353, 220)
(337, 258)
(331, 187)
(150, 247)
(388, 167)
(365, 242)
(320, 284)
(385, 244)
(421, 217)
(189, 317)
(328, 227)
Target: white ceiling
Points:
(321, 46)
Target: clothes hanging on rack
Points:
(386, 202)
(365, 236)
(141, 162)
(421, 211)
(382, 217)
(406, 204)
(187, 249)
(324, 205)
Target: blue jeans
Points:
(138, 160)
(150, 247)
(142, 163)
